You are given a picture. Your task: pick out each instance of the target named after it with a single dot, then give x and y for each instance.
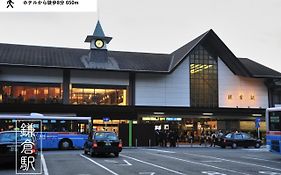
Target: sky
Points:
(250, 28)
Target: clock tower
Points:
(98, 42)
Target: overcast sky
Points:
(250, 28)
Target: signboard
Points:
(257, 122)
(105, 119)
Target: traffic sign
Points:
(105, 119)
(257, 122)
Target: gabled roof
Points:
(258, 70)
(70, 58)
(211, 40)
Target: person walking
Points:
(213, 139)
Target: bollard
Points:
(191, 142)
(136, 142)
(149, 143)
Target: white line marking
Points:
(255, 158)
(159, 150)
(151, 164)
(127, 163)
(112, 172)
(211, 161)
(255, 149)
(46, 172)
(233, 161)
(198, 163)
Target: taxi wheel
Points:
(85, 152)
(92, 153)
(234, 146)
(257, 145)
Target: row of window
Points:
(47, 95)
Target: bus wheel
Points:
(65, 144)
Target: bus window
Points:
(274, 121)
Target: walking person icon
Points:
(10, 4)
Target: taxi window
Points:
(7, 137)
(246, 136)
(238, 136)
(105, 136)
(228, 135)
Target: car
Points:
(103, 142)
(11, 143)
(238, 139)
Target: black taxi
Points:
(103, 142)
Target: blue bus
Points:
(58, 132)
(273, 129)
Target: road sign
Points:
(257, 122)
(105, 119)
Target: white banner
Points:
(48, 5)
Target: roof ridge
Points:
(202, 36)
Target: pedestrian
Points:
(202, 138)
(213, 139)
(161, 138)
(157, 137)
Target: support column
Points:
(132, 89)
(66, 86)
(130, 133)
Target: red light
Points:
(34, 150)
(120, 145)
(95, 144)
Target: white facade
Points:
(31, 75)
(236, 91)
(99, 77)
(164, 89)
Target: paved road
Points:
(164, 161)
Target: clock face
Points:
(99, 43)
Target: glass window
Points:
(30, 94)
(238, 136)
(7, 137)
(245, 136)
(99, 96)
(275, 121)
(228, 135)
(203, 78)
(105, 136)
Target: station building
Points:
(200, 86)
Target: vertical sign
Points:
(28, 142)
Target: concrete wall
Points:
(99, 77)
(164, 89)
(230, 84)
(31, 75)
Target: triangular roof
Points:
(98, 30)
(212, 40)
(98, 34)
